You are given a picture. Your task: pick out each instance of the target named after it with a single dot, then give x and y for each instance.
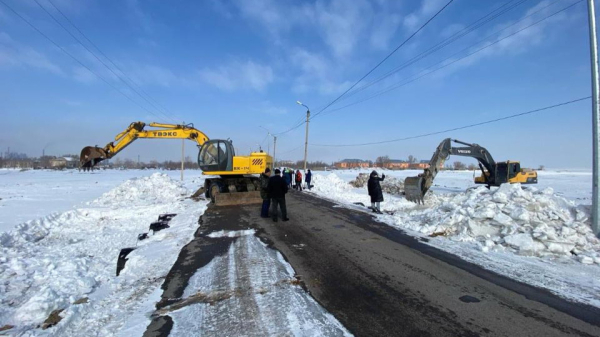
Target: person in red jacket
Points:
(298, 185)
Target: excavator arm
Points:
(416, 187)
(92, 155)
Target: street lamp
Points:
(274, 144)
(306, 138)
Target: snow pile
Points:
(329, 183)
(156, 189)
(390, 185)
(68, 260)
(526, 221)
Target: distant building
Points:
(395, 164)
(423, 164)
(63, 162)
(353, 163)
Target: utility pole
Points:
(182, 154)
(306, 137)
(595, 120)
(274, 148)
(274, 144)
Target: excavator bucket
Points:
(90, 156)
(413, 189)
(237, 198)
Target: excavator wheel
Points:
(213, 190)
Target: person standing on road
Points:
(287, 177)
(264, 194)
(298, 186)
(375, 191)
(308, 178)
(277, 189)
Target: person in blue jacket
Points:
(287, 176)
(308, 178)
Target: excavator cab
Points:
(216, 155)
(502, 172)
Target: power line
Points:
(99, 59)
(376, 66)
(387, 57)
(292, 150)
(105, 56)
(453, 38)
(409, 80)
(75, 59)
(460, 127)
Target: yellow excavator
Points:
(492, 173)
(235, 182)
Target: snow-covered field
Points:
(32, 194)
(66, 261)
(537, 234)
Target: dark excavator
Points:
(492, 173)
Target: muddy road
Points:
(378, 281)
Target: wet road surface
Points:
(378, 281)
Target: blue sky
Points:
(232, 66)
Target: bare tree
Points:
(382, 161)
(459, 165)
(412, 159)
(472, 167)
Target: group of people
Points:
(294, 179)
(274, 188)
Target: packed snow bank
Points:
(157, 188)
(389, 185)
(490, 227)
(51, 263)
(254, 285)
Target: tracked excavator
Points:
(492, 173)
(233, 180)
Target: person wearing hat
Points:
(277, 189)
(264, 193)
(375, 191)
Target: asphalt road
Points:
(377, 281)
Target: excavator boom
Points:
(492, 173)
(234, 178)
(92, 155)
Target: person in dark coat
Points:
(277, 189)
(375, 191)
(264, 194)
(307, 179)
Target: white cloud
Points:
(147, 74)
(427, 8)
(267, 107)
(384, 30)
(15, 55)
(316, 74)
(342, 23)
(238, 75)
(83, 75)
